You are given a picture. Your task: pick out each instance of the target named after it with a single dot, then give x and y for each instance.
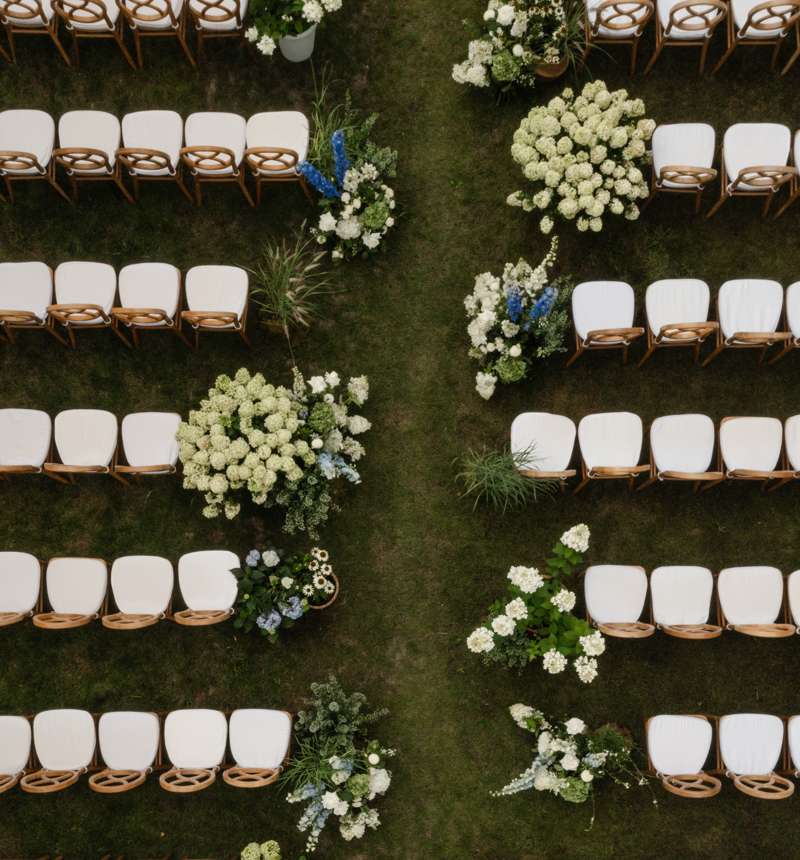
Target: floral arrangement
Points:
(272, 19)
(281, 446)
(583, 157)
(276, 590)
(569, 758)
(337, 771)
(515, 319)
(518, 37)
(266, 851)
(537, 620)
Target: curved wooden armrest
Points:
(19, 318)
(16, 160)
(251, 777)
(692, 476)
(114, 781)
(754, 473)
(7, 618)
(44, 781)
(627, 629)
(687, 331)
(67, 313)
(692, 631)
(764, 176)
(201, 617)
(121, 621)
(270, 160)
(532, 473)
(682, 174)
(208, 158)
(82, 159)
(692, 784)
(63, 467)
(188, 779)
(61, 620)
(765, 631)
(211, 319)
(143, 470)
(767, 787)
(617, 471)
(140, 158)
(20, 470)
(612, 335)
(139, 316)
(759, 337)
(9, 780)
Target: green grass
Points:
(417, 566)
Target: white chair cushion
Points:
(20, 580)
(677, 300)
(195, 738)
(751, 443)
(635, 17)
(749, 304)
(793, 588)
(24, 437)
(15, 745)
(259, 737)
(79, 19)
(685, 144)
(217, 288)
(602, 305)
(685, 17)
(793, 309)
(206, 579)
(128, 739)
(551, 439)
(76, 586)
(26, 287)
(681, 595)
(226, 5)
(793, 735)
(64, 739)
(150, 285)
(287, 129)
(216, 128)
(90, 129)
(161, 130)
(25, 7)
(610, 439)
(678, 745)
(86, 283)
(148, 438)
(31, 131)
(750, 743)
(750, 595)
(615, 592)
(755, 144)
(682, 443)
(142, 584)
(147, 20)
(792, 436)
(742, 8)
(86, 437)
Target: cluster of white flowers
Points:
(554, 662)
(485, 384)
(586, 667)
(527, 579)
(593, 645)
(265, 33)
(577, 538)
(520, 713)
(269, 850)
(584, 157)
(480, 640)
(353, 825)
(564, 600)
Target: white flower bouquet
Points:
(515, 319)
(537, 620)
(271, 19)
(583, 157)
(281, 446)
(269, 850)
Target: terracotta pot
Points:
(551, 71)
(335, 595)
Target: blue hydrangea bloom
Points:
(323, 185)
(514, 304)
(271, 623)
(253, 558)
(341, 162)
(294, 609)
(262, 621)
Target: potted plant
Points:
(291, 24)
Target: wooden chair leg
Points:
(713, 355)
(128, 57)
(121, 336)
(52, 181)
(250, 49)
(792, 197)
(199, 48)
(55, 477)
(719, 203)
(585, 55)
(240, 180)
(795, 55)
(779, 483)
(76, 51)
(633, 55)
(783, 352)
(304, 186)
(138, 41)
(650, 351)
(696, 353)
(54, 35)
(762, 354)
(10, 57)
(767, 203)
(74, 189)
(244, 337)
(119, 478)
(55, 334)
(652, 60)
(183, 337)
(647, 483)
(652, 195)
(118, 179)
(580, 486)
(71, 333)
(775, 55)
(197, 338)
(624, 354)
(578, 351)
(135, 334)
(711, 484)
(725, 56)
(697, 201)
(259, 183)
(197, 190)
(182, 39)
(703, 56)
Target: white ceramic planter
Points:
(298, 48)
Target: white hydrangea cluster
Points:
(272, 21)
(520, 713)
(564, 600)
(586, 667)
(480, 640)
(527, 579)
(354, 824)
(554, 662)
(593, 645)
(577, 538)
(584, 157)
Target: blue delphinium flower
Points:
(514, 304)
(253, 558)
(342, 468)
(294, 610)
(545, 303)
(340, 160)
(325, 462)
(323, 185)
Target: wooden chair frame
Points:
(684, 631)
(213, 11)
(7, 471)
(11, 319)
(123, 621)
(753, 22)
(694, 785)
(253, 777)
(67, 9)
(109, 781)
(794, 182)
(273, 159)
(694, 178)
(78, 316)
(65, 621)
(697, 478)
(608, 473)
(146, 12)
(9, 780)
(593, 36)
(214, 158)
(42, 781)
(202, 617)
(697, 10)
(768, 177)
(751, 474)
(136, 319)
(8, 618)
(75, 160)
(54, 470)
(625, 629)
(49, 29)
(787, 466)
(792, 342)
(139, 158)
(750, 340)
(12, 161)
(216, 321)
(678, 334)
(606, 338)
(776, 630)
(561, 477)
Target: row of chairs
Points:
(51, 750)
(749, 600)
(681, 449)
(756, 751)
(749, 311)
(77, 590)
(146, 297)
(757, 159)
(153, 145)
(685, 23)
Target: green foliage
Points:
(334, 716)
(511, 652)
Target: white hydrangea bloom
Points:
(577, 538)
(517, 609)
(480, 640)
(564, 600)
(586, 667)
(554, 662)
(503, 625)
(594, 644)
(527, 579)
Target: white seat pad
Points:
(751, 443)
(142, 584)
(750, 595)
(86, 437)
(78, 282)
(602, 305)
(206, 579)
(161, 130)
(216, 128)
(64, 739)
(615, 592)
(685, 17)
(76, 586)
(681, 594)
(25, 7)
(682, 443)
(551, 439)
(287, 129)
(259, 737)
(80, 18)
(742, 8)
(195, 738)
(147, 20)
(148, 438)
(24, 437)
(792, 436)
(636, 15)
(90, 129)
(793, 308)
(31, 131)
(750, 743)
(610, 439)
(685, 144)
(677, 300)
(677, 744)
(755, 144)
(217, 288)
(228, 6)
(793, 588)
(150, 285)
(20, 580)
(15, 745)
(749, 304)
(793, 735)
(128, 739)
(26, 287)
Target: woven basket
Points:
(335, 595)
(551, 71)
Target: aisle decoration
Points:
(583, 157)
(337, 771)
(269, 850)
(515, 319)
(276, 590)
(537, 620)
(276, 445)
(271, 19)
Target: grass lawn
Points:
(417, 566)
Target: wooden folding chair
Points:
(250, 743)
(752, 600)
(21, 588)
(216, 19)
(72, 429)
(16, 750)
(693, 785)
(775, 17)
(193, 740)
(766, 786)
(602, 313)
(29, 16)
(66, 577)
(598, 436)
(79, 729)
(208, 587)
(126, 739)
(224, 287)
(691, 23)
(149, 445)
(614, 22)
(277, 141)
(22, 134)
(617, 591)
(142, 589)
(155, 18)
(26, 442)
(92, 19)
(729, 455)
(213, 164)
(681, 592)
(547, 440)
